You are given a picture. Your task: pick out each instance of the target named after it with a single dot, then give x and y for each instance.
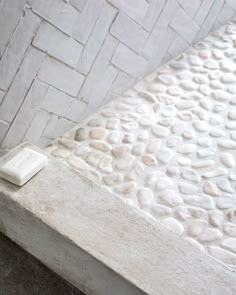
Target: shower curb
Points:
(98, 243)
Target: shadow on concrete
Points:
(22, 274)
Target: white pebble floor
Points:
(168, 146)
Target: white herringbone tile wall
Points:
(61, 59)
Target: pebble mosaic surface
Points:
(168, 146)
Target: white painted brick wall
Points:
(61, 46)
(2, 94)
(232, 3)
(78, 4)
(203, 11)
(136, 11)
(15, 52)
(210, 19)
(37, 126)
(60, 76)
(57, 12)
(122, 81)
(55, 126)
(129, 32)
(156, 41)
(99, 67)
(101, 89)
(190, 7)
(227, 12)
(61, 59)
(63, 105)
(87, 20)
(25, 115)
(153, 12)
(21, 84)
(177, 46)
(129, 61)
(10, 12)
(96, 39)
(3, 129)
(183, 25)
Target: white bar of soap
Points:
(23, 166)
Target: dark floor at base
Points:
(22, 274)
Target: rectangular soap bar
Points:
(23, 166)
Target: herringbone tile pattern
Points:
(61, 59)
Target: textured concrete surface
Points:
(97, 242)
(22, 274)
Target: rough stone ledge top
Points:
(135, 247)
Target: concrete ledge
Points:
(100, 244)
